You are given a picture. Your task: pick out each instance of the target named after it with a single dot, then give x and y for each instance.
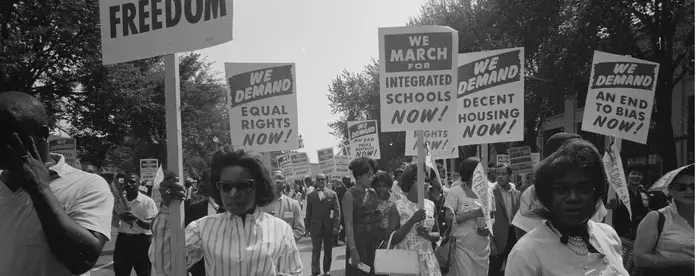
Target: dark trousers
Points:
(325, 237)
(496, 262)
(131, 252)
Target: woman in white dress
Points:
(568, 184)
(413, 228)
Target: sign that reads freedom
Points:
(417, 77)
(263, 106)
(364, 139)
(490, 97)
(620, 97)
(138, 29)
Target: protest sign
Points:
(133, 29)
(155, 191)
(149, 168)
(620, 97)
(616, 175)
(520, 160)
(67, 147)
(439, 144)
(417, 77)
(342, 165)
(490, 97)
(364, 139)
(273, 158)
(326, 161)
(285, 164)
(263, 106)
(502, 159)
(480, 186)
(535, 159)
(300, 165)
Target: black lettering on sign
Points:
(269, 138)
(362, 129)
(148, 15)
(414, 115)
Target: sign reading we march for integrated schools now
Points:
(364, 139)
(138, 29)
(620, 97)
(490, 97)
(440, 144)
(417, 77)
(263, 106)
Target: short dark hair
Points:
(467, 167)
(362, 165)
(410, 174)
(575, 154)
(636, 168)
(397, 172)
(509, 170)
(229, 156)
(556, 141)
(381, 177)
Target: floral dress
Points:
(429, 265)
(384, 207)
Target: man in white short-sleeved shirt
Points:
(55, 218)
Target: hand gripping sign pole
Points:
(174, 147)
(420, 189)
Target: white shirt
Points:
(212, 208)
(85, 197)
(395, 188)
(143, 207)
(263, 246)
(289, 210)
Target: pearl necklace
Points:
(576, 244)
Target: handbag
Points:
(445, 252)
(396, 261)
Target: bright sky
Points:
(322, 37)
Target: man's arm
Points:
(76, 237)
(307, 219)
(298, 223)
(336, 212)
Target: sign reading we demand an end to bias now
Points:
(138, 29)
(620, 97)
(490, 97)
(417, 77)
(263, 106)
(364, 139)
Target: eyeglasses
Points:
(227, 186)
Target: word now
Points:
(366, 153)
(417, 114)
(434, 144)
(266, 138)
(615, 123)
(129, 14)
(484, 129)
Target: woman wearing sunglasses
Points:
(665, 243)
(242, 241)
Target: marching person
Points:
(134, 238)
(507, 203)
(244, 240)
(284, 207)
(56, 218)
(323, 221)
(340, 191)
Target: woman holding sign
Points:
(568, 184)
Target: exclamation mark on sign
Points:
(445, 143)
(511, 126)
(639, 127)
(375, 152)
(288, 134)
(444, 110)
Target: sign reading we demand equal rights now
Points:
(620, 97)
(490, 97)
(417, 77)
(138, 29)
(263, 106)
(364, 139)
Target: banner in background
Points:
(68, 147)
(502, 159)
(285, 164)
(326, 161)
(620, 97)
(263, 106)
(132, 29)
(439, 143)
(535, 159)
(520, 159)
(480, 186)
(616, 175)
(364, 139)
(418, 77)
(300, 165)
(490, 97)
(342, 163)
(149, 168)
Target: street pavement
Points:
(104, 263)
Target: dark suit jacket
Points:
(340, 192)
(318, 212)
(501, 226)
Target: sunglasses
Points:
(681, 187)
(227, 186)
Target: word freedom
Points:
(150, 15)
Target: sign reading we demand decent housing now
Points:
(417, 77)
(490, 97)
(138, 29)
(364, 139)
(263, 106)
(620, 97)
